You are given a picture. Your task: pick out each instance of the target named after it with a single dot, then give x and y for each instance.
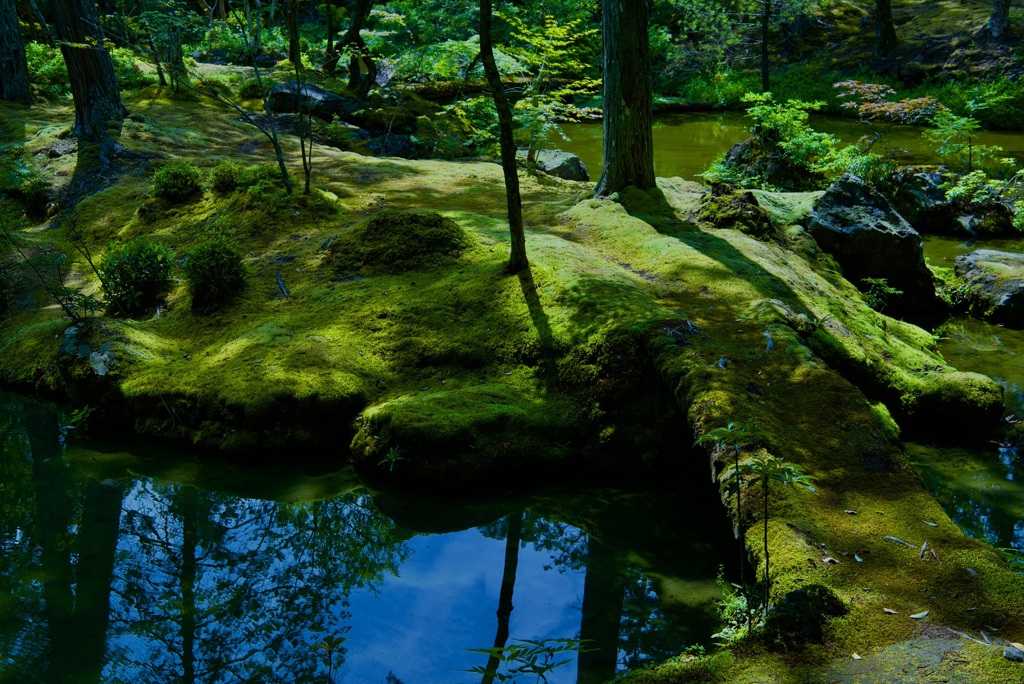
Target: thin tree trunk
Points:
(517, 259)
(885, 29)
(13, 65)
(999, 20)
(628, 143)
(98, 106)
(766, 22)
(508, 583)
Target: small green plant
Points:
(732, 437)
(224, 177)
(330, 645)
(526, 658)
(176, 181)
(954, 139)
(733, 609)
(214, 273)
(136, 273)
(391, 458)
(878, 292)
(764, 469)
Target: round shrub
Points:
(224, 176)
(250, 89)
(176, 181)
(214, 273)
(136, 274)
(394, 242)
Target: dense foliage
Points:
(214, 273)
(135, 274)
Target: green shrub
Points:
(46, 68)
(263, 184)
(224, 176)
(136, 274)
(126, 68)
(214, 273)
(176, 181)
(250, 88)
(394, 242)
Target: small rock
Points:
(1013, 653)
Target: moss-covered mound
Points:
(396, 242)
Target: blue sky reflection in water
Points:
(110, 573)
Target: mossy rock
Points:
(739, 210)
(396, 242)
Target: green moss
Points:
(394, 242)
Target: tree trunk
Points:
(13, 66)
(885, 29)
(628, 143)
(517, 259)
(98, 105)
(291, 20)
(358, 55)
(999, 21)
(766, 22)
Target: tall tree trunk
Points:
(358, 55)
(603, 592)
(508, 583)
(291, 20)
(517, 259)
(13, 66)
(766, 23)
(885, 29)
(628, 143)
(999, 20)
(98, 105)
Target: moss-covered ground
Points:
(636, 320)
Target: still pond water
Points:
(685, 144)
(125, 566)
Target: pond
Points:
(981, 487)
(127, 565)
(685, 144)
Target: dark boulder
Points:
(564, 165)
(996, 281)
(287, 97)
(858, 226)
(397, 145)
(920, 198)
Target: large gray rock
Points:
(858, 226)
(996, 280)
(564, 165)
(287, 97)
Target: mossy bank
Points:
(636, 325)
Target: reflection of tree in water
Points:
(212, 588)
(23, 641)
